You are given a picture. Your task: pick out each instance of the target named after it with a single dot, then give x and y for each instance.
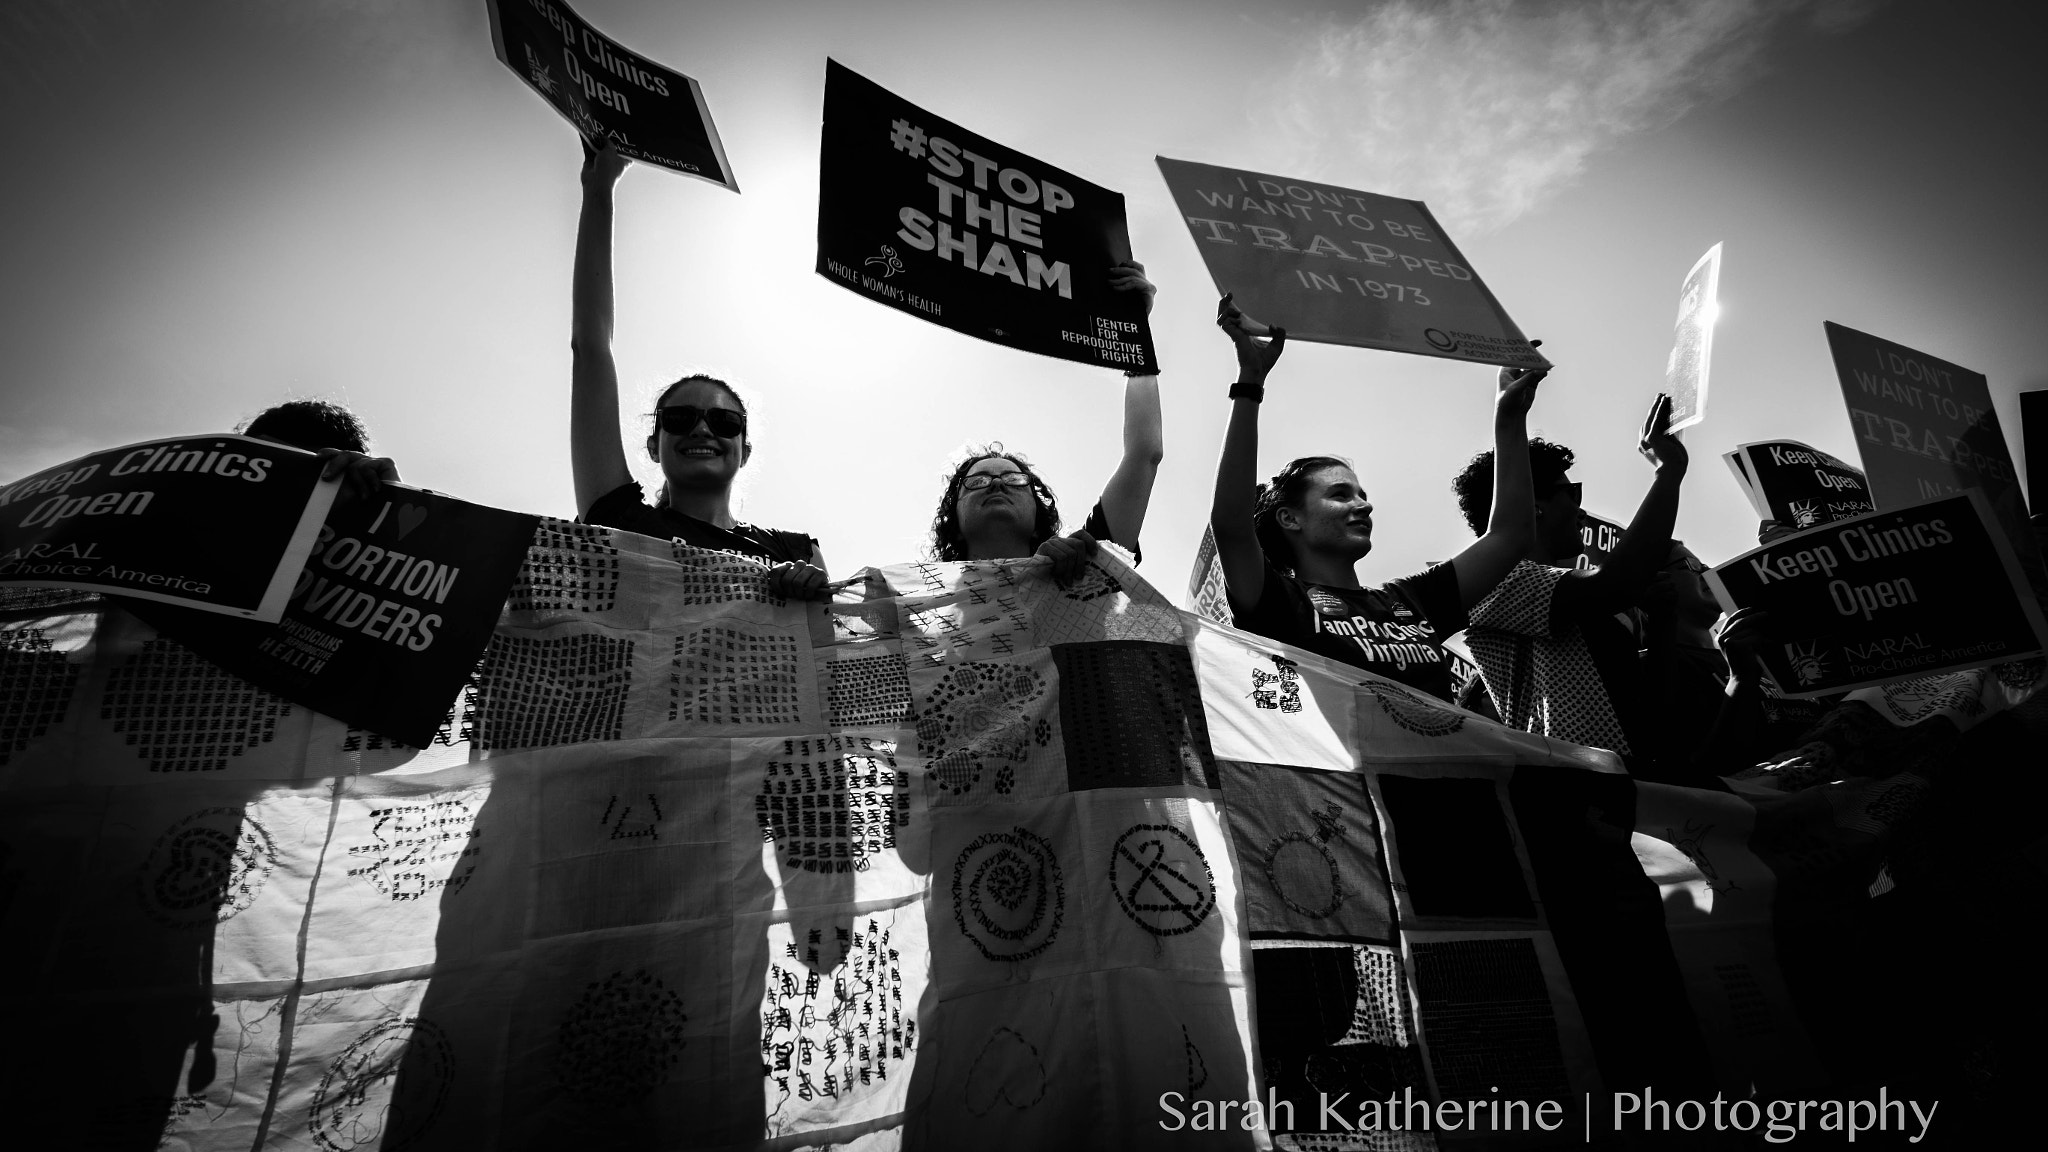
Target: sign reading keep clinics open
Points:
(1342, 266)
(1902, 592)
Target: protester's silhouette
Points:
(699, 425)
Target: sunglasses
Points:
(979, 480)
(1576, 487)
(682, 419)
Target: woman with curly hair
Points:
(996, 508)
(1290, 548)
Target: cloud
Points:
(1486, 108)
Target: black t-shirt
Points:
(1098, 527)
(626, 507)
(1396, 630)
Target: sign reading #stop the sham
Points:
(1342, 266)
(929, 218)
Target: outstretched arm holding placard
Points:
(1129, 491)
(699, 433)
(596, 458)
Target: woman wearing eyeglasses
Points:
(996, 508)
(1290, 548)
(699, 435)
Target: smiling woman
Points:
(699, 435)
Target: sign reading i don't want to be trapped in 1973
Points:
(1343, 266)
(920, 214)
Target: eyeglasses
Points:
(1576, 487)
(976, 481)
(682, 419)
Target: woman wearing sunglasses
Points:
(996, 508)
(700, 426)
(1290, 548)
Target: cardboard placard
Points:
(922, 215)
(1926, 428)
(1692, 343)
(1341, 266)
(1888, 595)
(1797, 484)
(607, 91)
(386, 620)
(220, 523)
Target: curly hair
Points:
(949, 543)
(310, 424)
(1287, 489)
(1548, 464)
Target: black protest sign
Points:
(220, 523)
(1887, 595)
(1342, 266)
(1597, 538)
(1799, 485)
(920, 214)
(609, 93)
(2034, 447)
(387, 619)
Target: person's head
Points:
(1682, 584)
(991, 497)
(699, 434)
(310, 424)
(1558, 519)
(1315, 504)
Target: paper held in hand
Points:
(1342, 266)
(1692, 343)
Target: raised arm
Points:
(1511, 526)
(597, 460)
(1237, 471)
(1129, 491)
(1643, 547)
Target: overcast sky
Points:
(219, 204)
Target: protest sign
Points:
(221, 523)
(1692, 344)
(929, 218)
(1798, 485)
(2034, 447)
(607, 91)
(1903, 592)
(1597, 538)
(1208, 594)
(1342, 266)
(1925, 427)
(385, 622)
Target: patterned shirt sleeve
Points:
(1521, 602)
